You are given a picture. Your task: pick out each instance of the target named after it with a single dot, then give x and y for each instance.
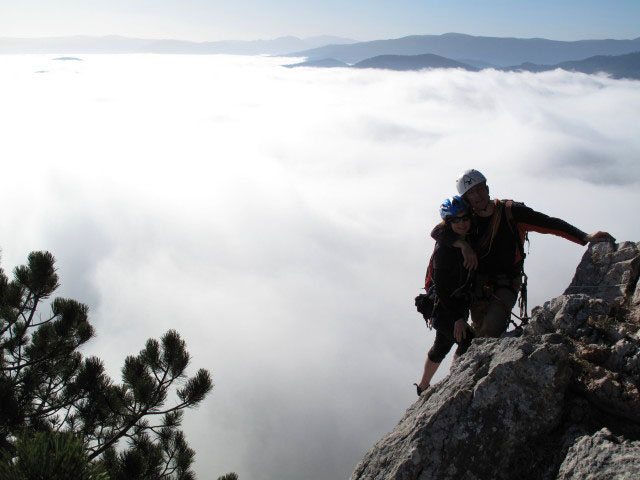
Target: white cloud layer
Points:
(278, 219)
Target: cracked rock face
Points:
(609, 273)
(601, 456)
(500, 396)
(560, 401)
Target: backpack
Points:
(426, 302)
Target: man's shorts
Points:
(491, 313)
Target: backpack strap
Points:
(485, 243)
(426, 302)
(428, 281)
(521, 236)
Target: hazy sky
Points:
(278, 219)
(203, 20)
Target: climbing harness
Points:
(521, 236)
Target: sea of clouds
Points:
(278, 219)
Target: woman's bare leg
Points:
(430, 369)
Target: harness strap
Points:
(520, 235)
(522, 302)
(486, 242)
(428, 280)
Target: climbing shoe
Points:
(420, 390)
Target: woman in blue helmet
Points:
(452, 285)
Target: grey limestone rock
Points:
(567, 314)
(601, 321)
(607, 271)
(601, 456)
(539, 406)
(502, 395)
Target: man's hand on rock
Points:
(598, 237)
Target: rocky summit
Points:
(557, 399)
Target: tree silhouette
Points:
(50, 455)
(46, 385)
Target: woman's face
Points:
(461, 223)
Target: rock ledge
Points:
(560, 401)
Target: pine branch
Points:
(19, 313)
(36, 300)
(52, 387)
(167, 471)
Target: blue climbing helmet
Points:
(453, 206)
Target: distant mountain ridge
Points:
(618, 66)
(390, 62)
(323, 63)
(411, 62)
(119, 44)
(469, 49)
(452, 50)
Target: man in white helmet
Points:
(497, 252)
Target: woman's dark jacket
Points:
(451, 283)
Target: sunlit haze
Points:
(278, 219)
(209, 20)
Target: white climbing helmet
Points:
(468, 180)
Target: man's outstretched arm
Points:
(534, 221)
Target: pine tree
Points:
(229, 476)
(46, 385)
(50, 455)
